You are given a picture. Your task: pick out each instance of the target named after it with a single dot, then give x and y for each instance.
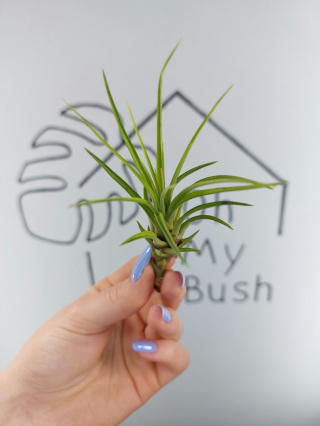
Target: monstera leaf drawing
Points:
(60, 173)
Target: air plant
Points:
(166, 231)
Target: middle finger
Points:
(172, 293)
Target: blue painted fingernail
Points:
(166, 316)
(142, 262)
(183, 279)
(144, 346)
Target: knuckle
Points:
(176, 329)
(101, 285)
(114, 294)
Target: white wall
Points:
(255, 355)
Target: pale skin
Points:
(80, 369)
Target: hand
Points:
(80, 367)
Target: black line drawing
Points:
(229, 137)
(232, 260)
(51, 183)
(90, 268)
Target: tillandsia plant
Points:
(166, 231)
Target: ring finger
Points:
(163, 322)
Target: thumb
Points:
(95, 312)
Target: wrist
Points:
(12, 411)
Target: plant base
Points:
(159, 263)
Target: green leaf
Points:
(195, 169)
(133, 152)
(181, 177)
(186, 240)
(122, 183)
(168, 236)
(222, 179)
(162, 199)
(142, 145)
(160, 151)
(140, 201)
(144, 230)
(185, 154)
(212, 180)
(183, 250)
(179, 222)
(145, 193)
(155, 241)
(195, 194)
(154, 193)
(144, 234)
(188, 222)
(178, 213)
(189, 249)
(216, 180)
(114, 175)
(159, 243)
(105, 142)
(142, 179)
(141, 227)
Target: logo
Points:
(60, 173)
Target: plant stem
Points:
(159, 263)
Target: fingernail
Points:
(166, 316)
(142, 262)
(183, 279)
(144, 346)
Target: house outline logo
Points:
(61, 183)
